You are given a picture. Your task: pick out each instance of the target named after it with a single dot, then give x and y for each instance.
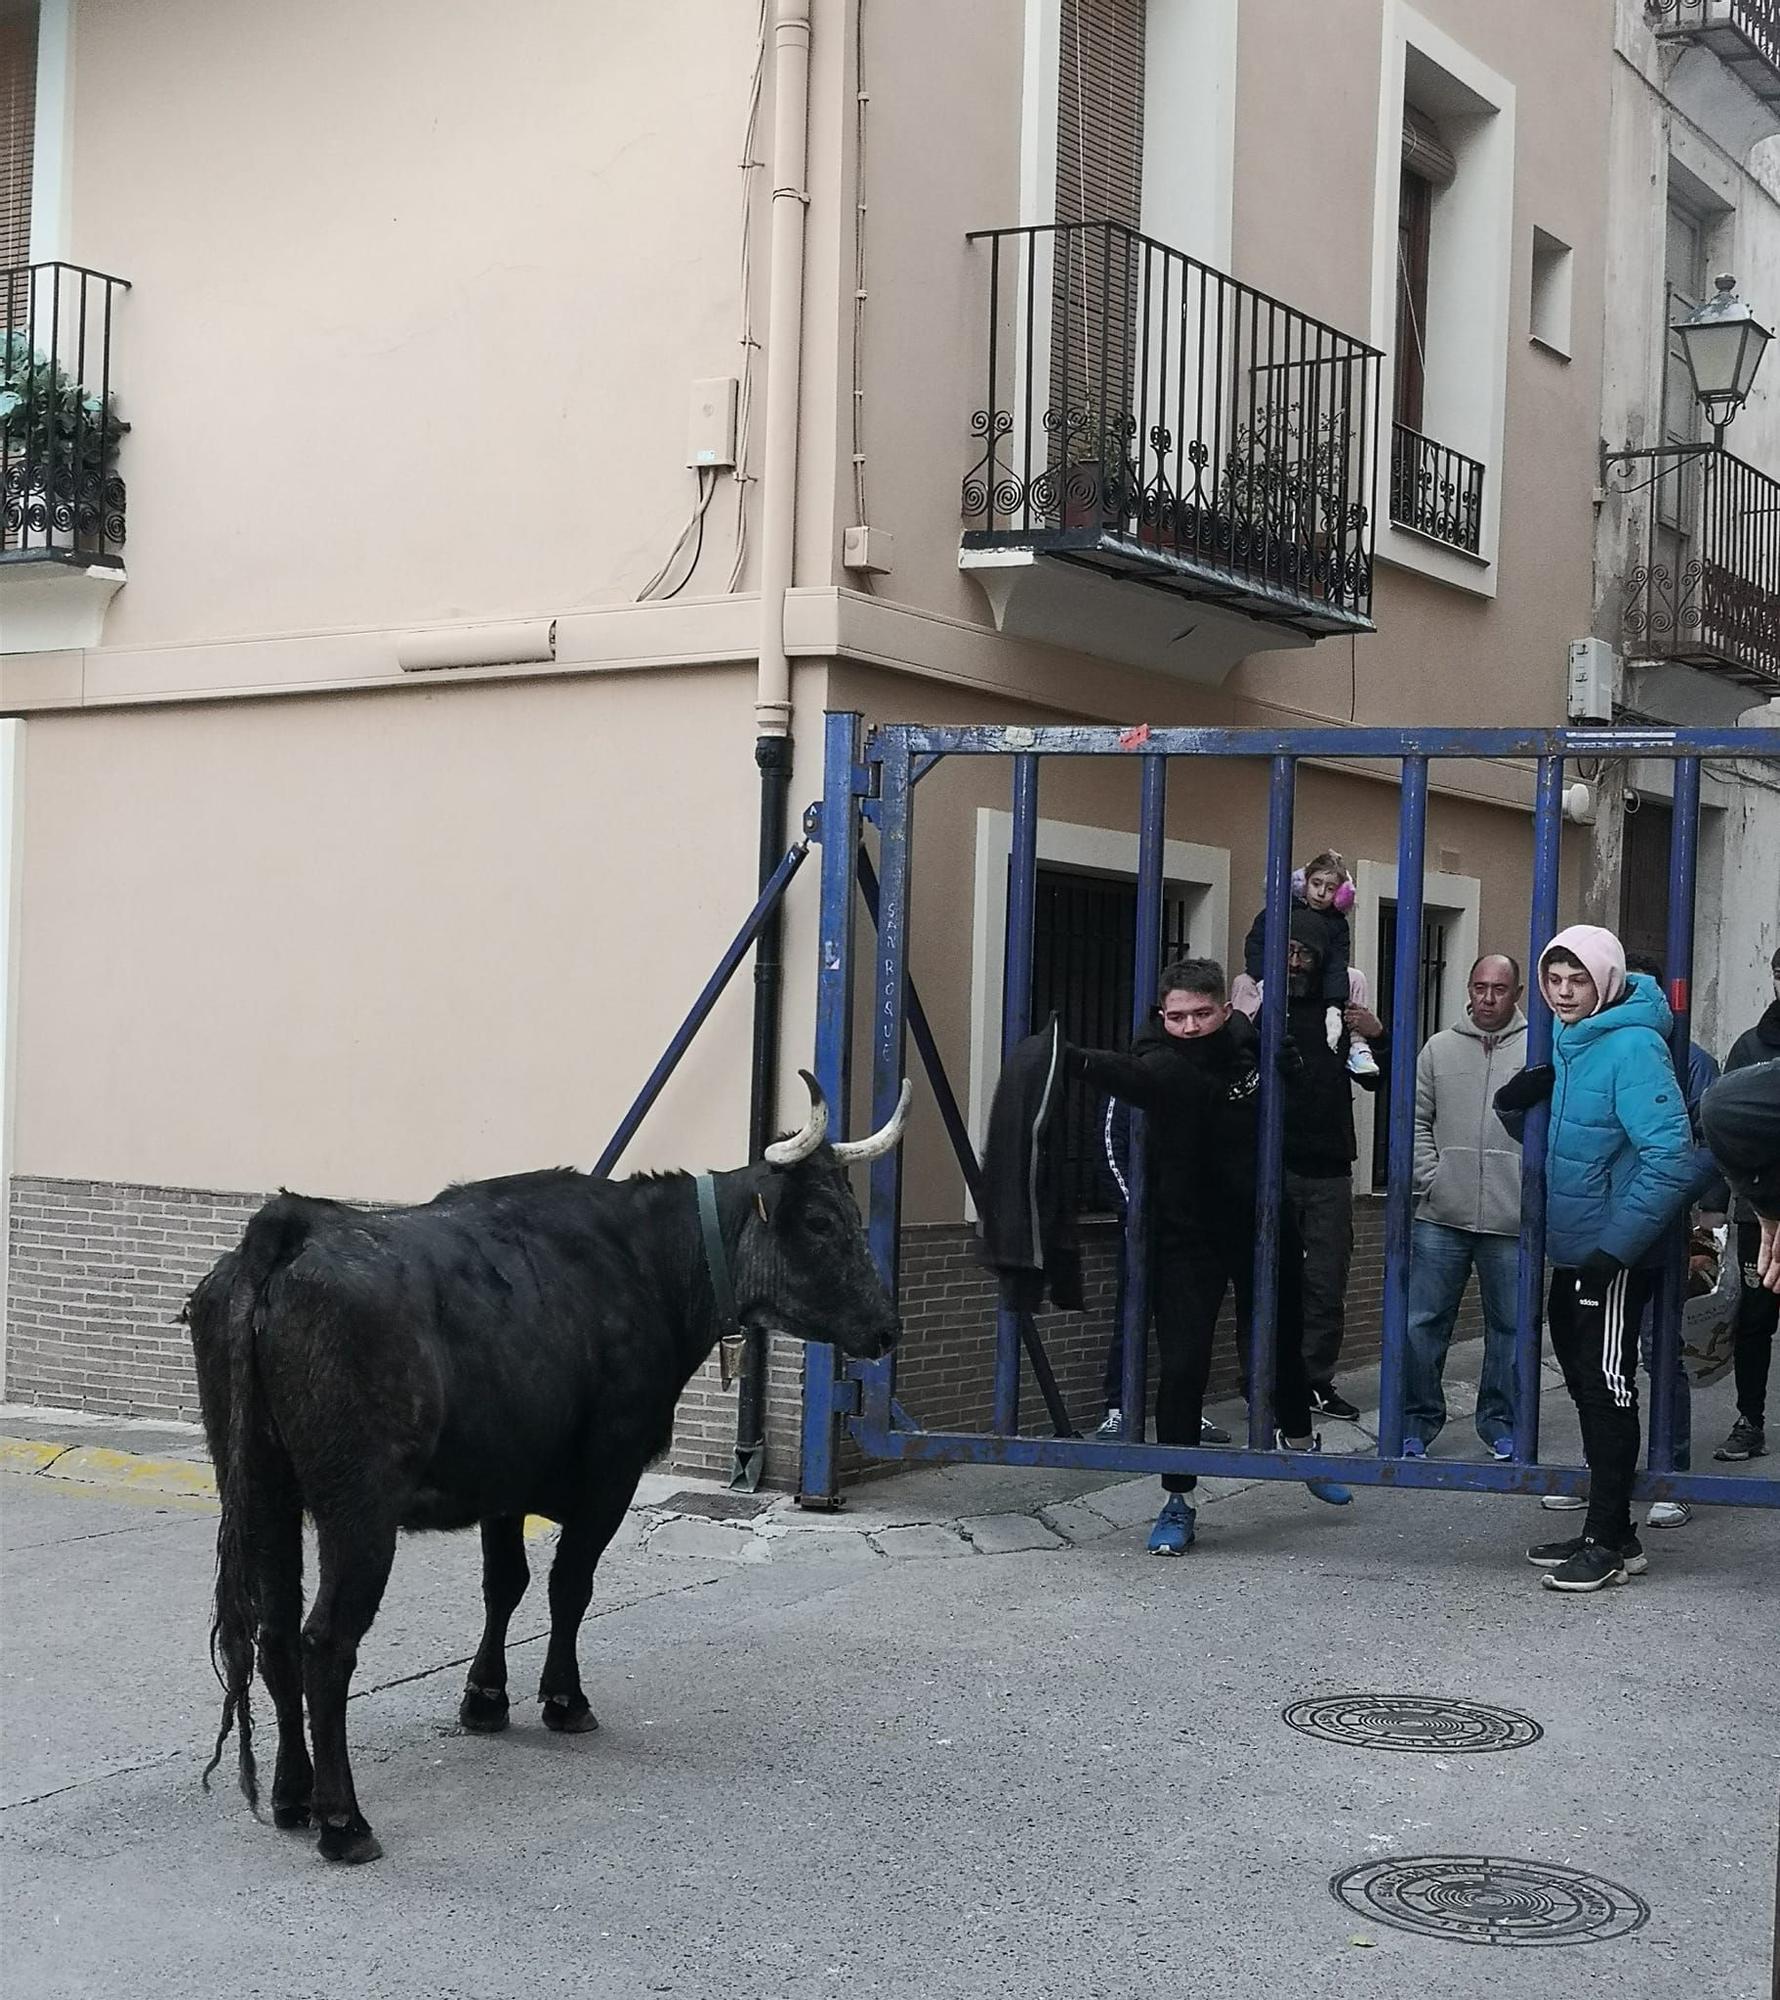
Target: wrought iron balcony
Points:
(1708, 592)
(1436, 491)
(1150, 418)
(1743, 34)
(61, 498)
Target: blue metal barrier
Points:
(877, 776)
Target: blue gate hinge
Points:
(846, 1396)
(812, 821)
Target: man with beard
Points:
(1320, 1154)
(1195, 1070)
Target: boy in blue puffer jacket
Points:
(1620, 1164)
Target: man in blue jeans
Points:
(1467, 1207)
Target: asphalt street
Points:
(893, 1763)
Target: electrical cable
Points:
(695, 524)
(749, 345)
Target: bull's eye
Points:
(819, 1222)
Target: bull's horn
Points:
(787, 1152)
(850, 1150)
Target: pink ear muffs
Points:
(1344, 897)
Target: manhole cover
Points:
(1478, 1899)
(718, 1506)
(1412, 1722)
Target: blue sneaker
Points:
(1414, 1448)
(1503, 1448)
(1173, 1533)
(1326, 1490)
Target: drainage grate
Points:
(1412, 1722)
(1479, 1899)
(718, 1506)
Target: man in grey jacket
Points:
(1467, 1207)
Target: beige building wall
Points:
(418, 297)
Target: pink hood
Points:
(1600, 952)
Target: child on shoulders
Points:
(1324, 888)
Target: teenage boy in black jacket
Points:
(1758, 1310)
(1194, 1070)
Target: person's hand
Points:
(1530, 1086)
(1291, 1062)
(1362, 1021)
(1767, 1255)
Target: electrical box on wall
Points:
(869, 550)
(1594, 680)
(710, 423)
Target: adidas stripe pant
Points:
(1594, 1334)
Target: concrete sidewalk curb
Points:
(779, 1532)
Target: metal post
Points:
(818, 1482)
(1135, 1350)
(1665, 1347)
(1016, 1025)
(1412, 827)
(896, 831)
(1548, 819)
(1271, 1153)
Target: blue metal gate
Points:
(875, 778)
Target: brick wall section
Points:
(99, 1271)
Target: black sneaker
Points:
(1328, 1401)
(1592, 1567)
(1554, 1555)
(1746, 1440)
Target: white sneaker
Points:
(1669, 1514)
(1112, 1425)
(1360, 1059)
(1564, 1503)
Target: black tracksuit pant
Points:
(1752, 1334)
(1189, 1278)
(1594, 1334)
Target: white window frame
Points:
(1478, 211)
(1459, 899)
(1199, 874)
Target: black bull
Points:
(512, 1347)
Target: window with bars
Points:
(1084, 938)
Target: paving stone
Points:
(1008, 1534)
(1076, 1521)
(923, 1542)
(820, 1547)
(689, 1537)
(1132, 1502)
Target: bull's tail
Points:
(224, 1314)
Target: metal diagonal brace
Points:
(688, 1028)
(959, 1134)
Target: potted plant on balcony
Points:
(1097, 481)
(1283, 503)
(58, 447)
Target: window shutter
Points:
(18, 111)
(1099, 179)
(1100, 112)
(1425, 153)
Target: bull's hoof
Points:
(569, 1714)
(349, 1840)
(483, 1709)
(290, 1815)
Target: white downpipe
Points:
(784, 356)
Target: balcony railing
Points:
(1708, 593)
(1743, 34)
(60, 494)
(1436, 491)
(1149, 417)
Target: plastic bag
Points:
(1707, 1320)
